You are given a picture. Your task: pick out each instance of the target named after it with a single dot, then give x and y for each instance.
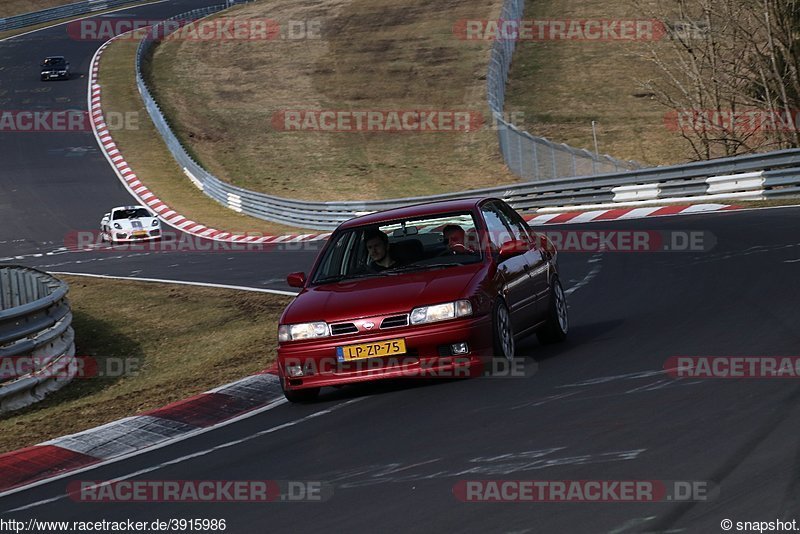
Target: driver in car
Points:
(455, 238)
(377, 244)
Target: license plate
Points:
(139, 234)
(390, 347)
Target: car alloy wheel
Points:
(503, 332)
(561, 307)
(557, 322)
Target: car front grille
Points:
(343, 328)
(395, 321)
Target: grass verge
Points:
(147, 155)
(183, 341)
(371, 55)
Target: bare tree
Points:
(728, 70)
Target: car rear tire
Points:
(504, 347)
(557, 324)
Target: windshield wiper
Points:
(340, 277)
(415, 267)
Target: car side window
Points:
(515, 222)
(499, 231)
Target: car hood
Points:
(380, 295)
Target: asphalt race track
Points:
(55, 182)
(598, 407)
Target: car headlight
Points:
(292, 332)
(441, 312)
(117, 226)
(155, 222)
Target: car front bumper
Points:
(425, 357)
(115, 237)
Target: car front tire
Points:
(504, 347)
(299, 395)
(557, 323)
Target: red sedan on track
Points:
(435, 290)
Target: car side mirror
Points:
(512, 248)
(297, 279)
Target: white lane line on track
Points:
(182, 282)
(186, 457)
(597, 260)
(90, 15)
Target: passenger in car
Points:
(377, 244)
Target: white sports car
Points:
(130, 223)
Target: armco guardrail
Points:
(37, 345)
(528, 156)
(669, 183)
(60, 12)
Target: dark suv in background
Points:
(55, 68)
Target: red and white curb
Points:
(132, 435)
(577, 217)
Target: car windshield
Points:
(54, 62)
(418, 244)
(132, 213)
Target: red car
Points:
(435, 289)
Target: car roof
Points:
(128, 208)
(416, 210)
(54, 57)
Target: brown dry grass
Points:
(562, 86)
(373, 54)
(185, 340)
(148, 157)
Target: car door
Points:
(537, 259)
(517, 290)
